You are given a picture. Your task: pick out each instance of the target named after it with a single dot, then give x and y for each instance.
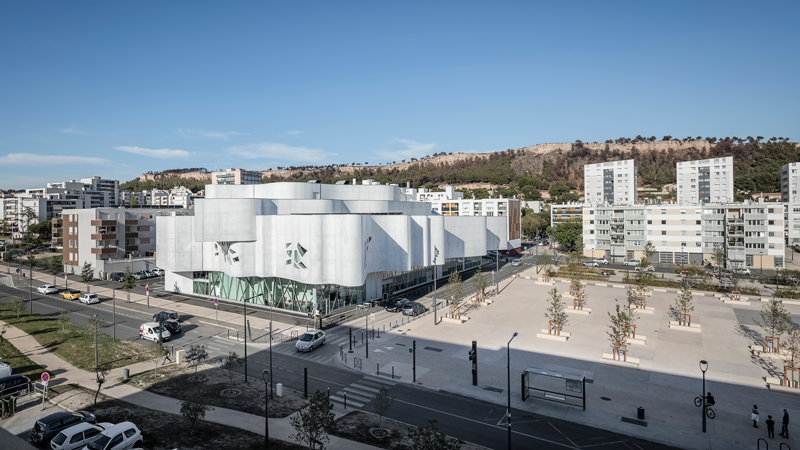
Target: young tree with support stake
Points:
(455, 290)
(87, 275)
(55, 268)
(194, 408)
(18, 305)
(618, 330)
(683, 303)
(775, 320)
(63, 319)
(128, 282)
(313, 423)
(101, 373)
(632, 306)
(545, 262)
(479, 281)
(555, 312)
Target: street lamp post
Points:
(266, 375)
(703, 368)
(435, 256)
(270, 342)
(508, 351)
(30, 286)
(497, 282)
(244, 318)
(366, 329)
(95, 341)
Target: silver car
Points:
(309, 340)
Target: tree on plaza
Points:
(555, 310)
(128, 282)
(683, 303)
(8, 257)
(382, 403)
(194, 408)
(100, 374)
(17, 305)
(63, 319)
(775, 320)
(791, 348)
(718, 255)
(313, 423)
(455, 290)
(87, 275)
(618, 328)
(231, 362)
(545, 261)
(631, 307)
(479, 281)
(55, 267)
(430, 438)
(569, 233)
(197, 355)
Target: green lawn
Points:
(22, 365)
(75, 344)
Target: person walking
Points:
(166, 356)
(785, 427)
(754, 416)
(770, 427)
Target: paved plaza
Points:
(665, 383)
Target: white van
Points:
(122, 436)
(77, 436)
(149, 331)
(5, 370)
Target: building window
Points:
(772, 222)
(663, 222)
(683, 222)
(683, 232)
(649, 222)
(771, 234)
(697, 222)
(663, 232)
(664, 211)
(663, 243)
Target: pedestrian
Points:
(770, 427)
(166, 356)
(785, 427)
(754, 416)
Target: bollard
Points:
(362, 336)
(345, 400)
(279, 389)
(379, 369)
(126, 373)
(640, 413)
(329, 392)
(305, 382)
(393, 371)
(351, 340)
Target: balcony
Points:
(103, 223)
(131, 235)
(57, 221)
(735, 221)
(57, 241)
(104, 250)
(58, 234)
(104, 236)
(131, 221)
(131, 248)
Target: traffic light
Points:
(473, 356)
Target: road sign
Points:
(147, 288)
(372, 316)
(410, 351)
(216, 301)
(17, 270)
(45, 377)
(493, 272)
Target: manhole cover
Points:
(605, 398)
(230, 393)
(197, 378)
(380, 433)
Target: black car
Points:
(117, 276)
(396, 304)
(14, 384)
(167, 315)
(46, 428)
(172, 326)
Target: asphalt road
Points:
(471, 420)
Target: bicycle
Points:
(698, 401)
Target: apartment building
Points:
(705, 181)
(792, 223)
(789, 177)
(142, 198)
(751, 234)
(110, 239)
(612, 182)
(536, 206)
(236, 176)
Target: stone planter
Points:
(695, 327)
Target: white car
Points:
(743, 271)
(601, 261)
(646, 269)
(516, 263)
(311, 339)
(78, 436)
(591, 264)
(631, 262)
(47, 289)
(89, 299)
(122, 436)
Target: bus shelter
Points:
(554, 386)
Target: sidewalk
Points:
(665, 383)
(63, 372)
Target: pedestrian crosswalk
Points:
(361, 392)
(321, 355)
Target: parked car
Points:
(172, 326)
(89, 299)
(5, 370)
(159, 272)
(47, 289)
(396, 304)
(724, 273)
(116, 276)
(151, 330)
(14, 384)
(167, 315)
(632, 262)
(516, 263)
(310, 340)
(122, 436)
(591, 264)
(601, 261)
(139, 275)
(413, 309)
(150, 273)
(741, 270)
(646, 269)
(71, 294)
(77, 436)
(48, 427)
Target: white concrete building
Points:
(789, 178)
(612, 182)
(316, 246)
(705, 181)
(536, 206)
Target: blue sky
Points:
(119, 88)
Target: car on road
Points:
(122, 436)
(89, 299)
(724, 273)
(77, 436)
(150, 273)
(47, 289)
(116, 276)
(396, 304)
(516, 263)
(151, 330)
(591, 264)
(159, 272)
(13, 384)
(167, 315)
(741, 271)
(645, 269)
(46, 428)
(601, 261)
(632, 262)
(413, 309)
(71, 294)
(310, 340)
(139, 275)
(172, 326)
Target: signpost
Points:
(45, 380)
(216, 317)
(147, 291)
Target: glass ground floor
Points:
(395, 282)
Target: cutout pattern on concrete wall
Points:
(295, 252)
